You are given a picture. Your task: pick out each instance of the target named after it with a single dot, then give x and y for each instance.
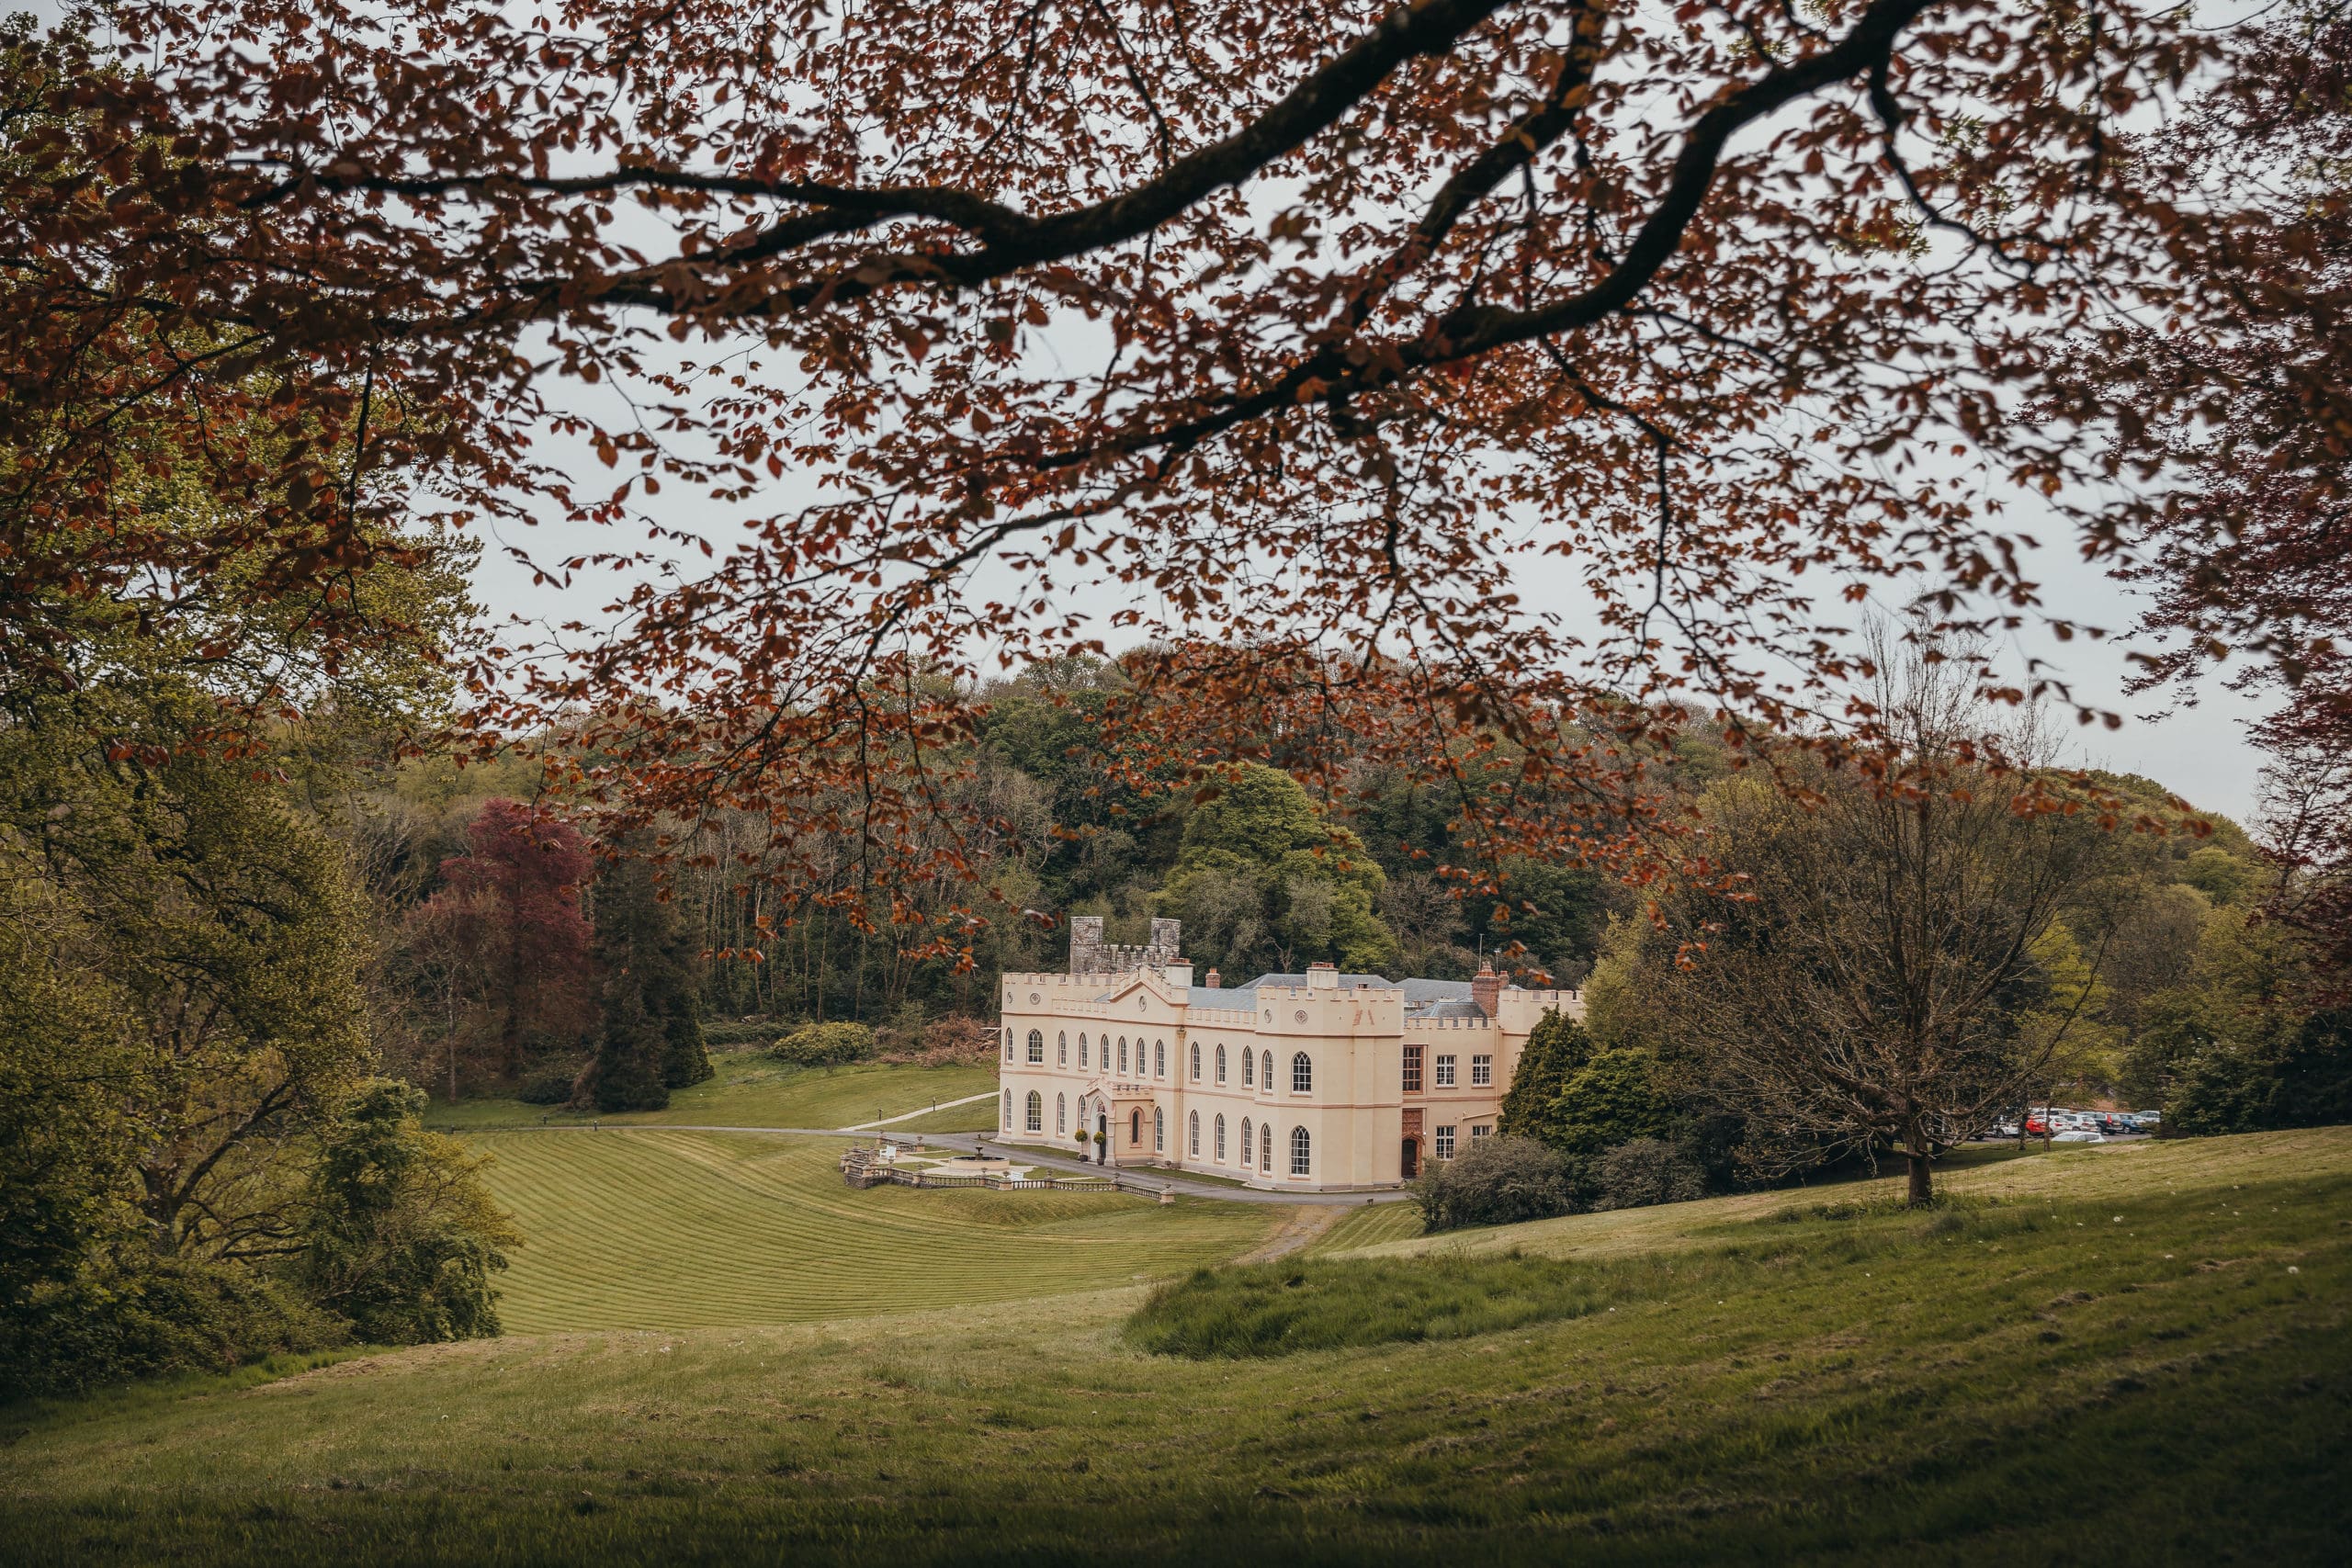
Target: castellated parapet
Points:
(1090, 955)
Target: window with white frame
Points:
(1082, 1049)
(1220, 1064)
(1266, 1148)
(1123, 1055)
(1036, 1120)
(1302, 1148)
(1006, 1122)
(1061, 1048)
(1266, 1068)
(1159, 1130)
(1478, 1132)
(1482, 1072)
(1445, 1071)
(1061, 1114)
(1008, 1045)
(1246, 1145)
(1219, 1131)
(1249, 1068)
(1036, 1047)
(1193, 1134)
(1196, 1063)
(1445, 1142)
(1159, 1058)
(1302, 1075)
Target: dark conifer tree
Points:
(1556, 1047)
(652, 1040)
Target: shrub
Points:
(1642, 1171)
(1496, 1182)
(734, 1033)
(824, 1044)
(950, 1042)
(404, 1238)
(143, 1317)
(550, 1083)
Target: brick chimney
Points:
(1212, 980)
(1486, 988)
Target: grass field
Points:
(647, 1229)
(749, 1089)
(2138, 1353)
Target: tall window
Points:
(1300, 1150)
(1302, 1074)
(1193, 1134)
(1246, 1144)
(1445, 1142)
(1006, 1122)
(1196, 1068)
(1036, 1123)
(1220, 1064)
(1061, 1048)
(1123, 1055)
(1445, 1071)
(1061, 1114)
(1412, 1069)
(1266, 1148)
(1036, 1047)
(1220, 1140)
(1008, 1045)
(1159, 1130)
(1135, 1126)
(1482, 1072)
(1159, 1058)
(1082, 1049)
(1266, 1066)
(1248, 1069)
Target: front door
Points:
(1101, 1136)
(1410, 1163)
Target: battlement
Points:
(1090, 955)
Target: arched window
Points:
(1196, 1061)
(1245, 1142)
(1220, 1140)
(1123, 1054)
(1159, 1130)
(1036, 1123)
(1193, 1134)
(1007, 1110)
(1082, 1049)
(1036, 1047)
(1062, 1049)
(1159, 1058)
(1248, 1071)
(1135, 1126)
(1300, 1150)
(1061, 1114)
(1266, 1147)
(1266, 1065)
(1220, 1064)
(1302, 1075)
(1008, 1043)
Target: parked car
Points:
(2079, 1136)
(2114, 1124)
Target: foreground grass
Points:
(652, 1229)
(1821, 1379)
(749, 1089)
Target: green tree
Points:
(649, 1041)
(402, 1236)
(1556, 1048)
(1614, 1098)
(1264, 878)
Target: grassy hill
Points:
(649, 1229)
(749, 1089)
(2139, 1353)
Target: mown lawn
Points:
(750, 1089)
(2139, 1354)
(650, 1229)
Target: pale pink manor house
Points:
(1320, 1081)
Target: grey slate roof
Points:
(1423, 999)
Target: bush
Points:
(550, 1083)
(143, 1317)
(824, 1046)
(734, 1034)
(403, 1238)
(949, 1042)
(1642, 1171)
(1496, 1182)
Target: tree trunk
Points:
(1917, 1146)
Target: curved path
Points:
(1020, 1152)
